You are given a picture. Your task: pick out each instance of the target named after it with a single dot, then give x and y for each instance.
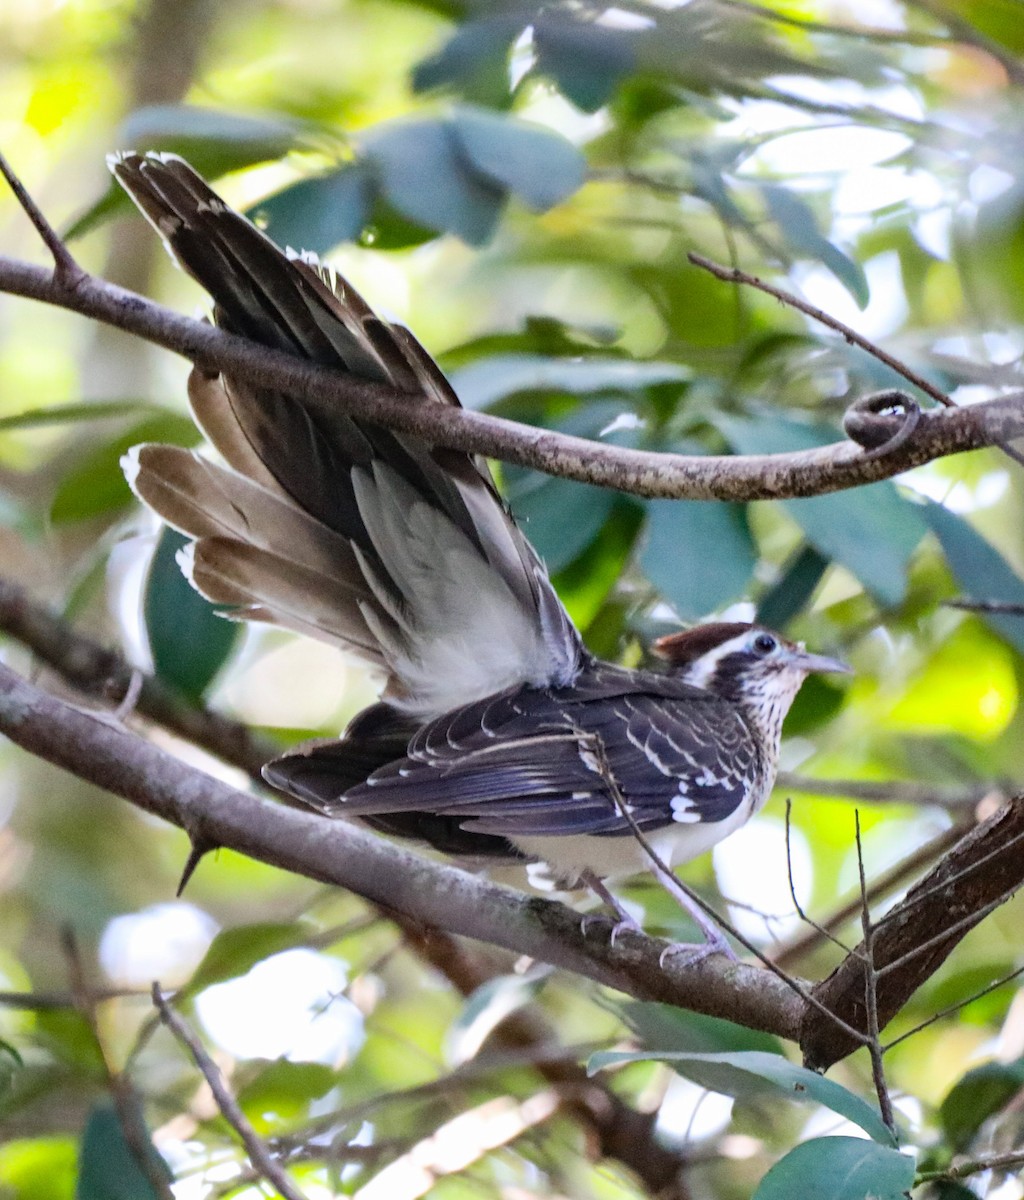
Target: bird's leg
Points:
(625, 920)
(715, 941)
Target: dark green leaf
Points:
(474, 60)
(587, 582)
(189, 642)
(234, 952)
(107, 1166)
(980, 1094)
(561, 517)
(490, 379)
(870, 530)
(980, 570)
(536, 164)
(698, 553)
(948, 1189)
(752, 1073)
(214, 142)
(839, 1168)
(794, 588)
(96, 485)
(316, 214)
(585, 60)
(817, 702)
(798, 224)
(420, 168)
(664, 1027)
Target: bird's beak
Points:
(815, 663)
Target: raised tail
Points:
(399, 550)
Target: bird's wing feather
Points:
(450, 596)
(529, 762)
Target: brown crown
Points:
(680, 649)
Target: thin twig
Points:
(66, 269)
(820, 929)
(122, 1091)
(55, 1001)
(950, 1009)
(874, 1043)
(259, 1155)
(1009, 607)
(639, 472)
(895, 877)
(888, 791)
(973, 1166)
(849, 334)
(596, 743)
(964, 31)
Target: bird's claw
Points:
(697, 952)
(625, 924)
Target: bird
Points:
(497, 735)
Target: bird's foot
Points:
(697, 952)
(625, 924)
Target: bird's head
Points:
(749, 665)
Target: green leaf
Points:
(487, 380)
(980, 570)
(585, 60)
(96, 486)
(676, 557)
(213, 140)
(283, 1092)
(980, 1094)
(188, 640)
(560, 516)
(475, 60)
(419, 167)
(872, 530)
(839, 1168)
(799, 226)
(754, 1073)
(236, 951)
(316, 214)
(539, 166)
(107, 1167)
(38, 1168)
(793, 589)
(664, 1027)
(486, 1008)
(69, 414)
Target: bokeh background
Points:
(521, 184)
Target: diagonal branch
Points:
(336, 852)
(643, 473)
(918, 935)
(620, 1131)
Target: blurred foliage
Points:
(520, 183)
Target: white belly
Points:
(611, 857)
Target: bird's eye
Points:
(764, 643)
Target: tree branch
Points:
(336, 852)
(642, 473)
(913, 940)
(260, 1157)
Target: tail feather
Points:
(400, 549)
